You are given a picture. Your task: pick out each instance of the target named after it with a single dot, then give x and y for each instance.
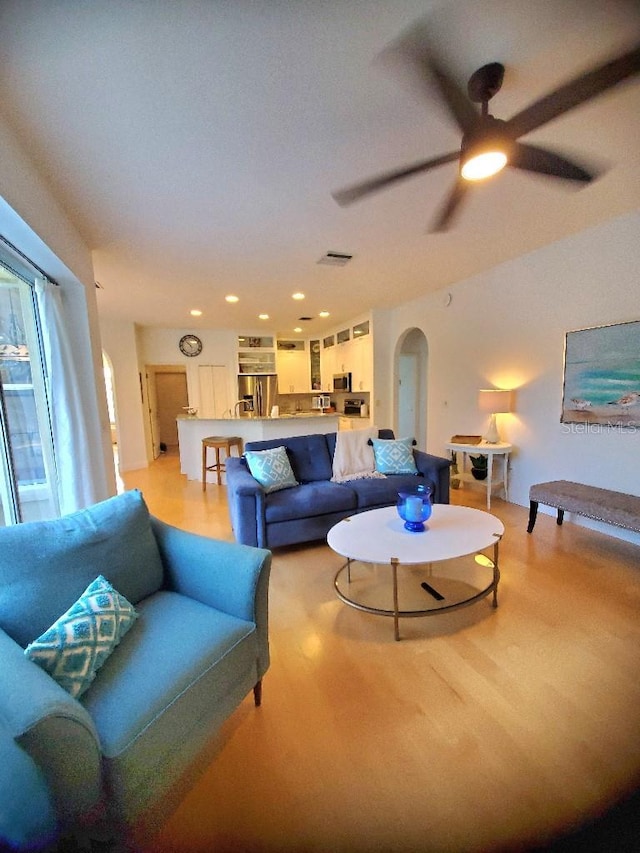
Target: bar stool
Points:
(218, 443)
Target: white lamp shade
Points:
(495, 401)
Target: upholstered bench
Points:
(601, 504)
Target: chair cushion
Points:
(45, 565)
(394, 456)
(80, 641)
(271, 468)
(177, 640)
(383, 492)
(309, 499)
(164, 693)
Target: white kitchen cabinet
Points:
(328, 367)
(294, 375)
(356, 357)
(342, 357)
(361, 364)
(256, 361)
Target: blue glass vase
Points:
(414, 507)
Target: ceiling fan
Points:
(489, 144)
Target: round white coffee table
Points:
(453, 538)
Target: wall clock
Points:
(190, 345)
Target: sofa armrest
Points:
(27, 817)
(436, 469)
(246, 501)
(232, 578)
(224, 575)
(53, 729)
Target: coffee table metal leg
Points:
(394, 573)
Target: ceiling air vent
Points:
(335, 259)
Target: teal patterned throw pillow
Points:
(394, 456)
(79, 642)
(271, 468)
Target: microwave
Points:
(342, 382)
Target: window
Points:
(26, 450)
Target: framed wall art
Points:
(602, 376)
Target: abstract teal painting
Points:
(602, 376)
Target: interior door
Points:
(171, 400)
(152, 404)
(407, 396)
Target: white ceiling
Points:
(195, 145)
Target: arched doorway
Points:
(411, 360)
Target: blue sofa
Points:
(307, 511)
(198, 646)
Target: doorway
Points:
(407, 394)
(168, 397)
(411, 386)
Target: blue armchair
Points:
(198, 646)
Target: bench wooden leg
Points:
(257, 694)
(533, 512)
(560, 517)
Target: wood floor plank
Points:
(483, 729)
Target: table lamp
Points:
(494, 401)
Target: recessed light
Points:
(323, 314)
(297, 295)
(297, 329)
(195, 312)
(263, 316)
(231, 298)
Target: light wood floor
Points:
(480, 730)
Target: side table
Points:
(496, 475)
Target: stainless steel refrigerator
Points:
(260, 392)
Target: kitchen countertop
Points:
(192, 429)
(281, 416)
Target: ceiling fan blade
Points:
(450, 207)
(413, 49)
(576, 92)
(545, 162)
(357, 191)
(459, 105)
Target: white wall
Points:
(120, 344)
(131, 348)
(160, 346)
(506, 328)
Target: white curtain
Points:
(72, 450)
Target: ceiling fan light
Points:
(483, 165)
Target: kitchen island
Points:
(192, 429)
